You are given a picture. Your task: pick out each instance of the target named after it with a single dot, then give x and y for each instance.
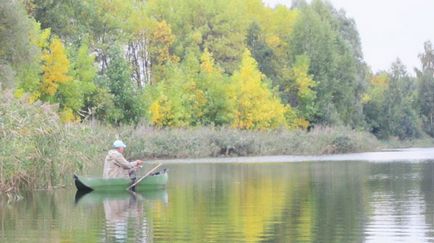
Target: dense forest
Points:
(183, 63)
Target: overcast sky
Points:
(388, 28)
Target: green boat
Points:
(152, 182)
(90, 198)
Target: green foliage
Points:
(186, 65)
(260, 50)
(256, 107)
(373, 103)
(426, 89)
(300, 91)
(215, 86)
(197, 24)
(83, 72)
(128, 105)
(402, 120)
(335, 65)
(168, 100)
(390, 105)
(17, 52)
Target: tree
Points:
(399, 109)
(260, 50)
(77, 94)
(373, 101)
(301, 89)
(390, 104)
(160, 41)
(218, 108)
(17, 52)
(30, 77)
(168, 100)
(331, 45)
(55, 68)
(117, 79)
(426, 89)
(256, 107)
(214, 25)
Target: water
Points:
(323, 201)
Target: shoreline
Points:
(387, 155)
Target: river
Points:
(370, 197)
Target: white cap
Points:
(119, 144)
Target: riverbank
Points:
(39, 152)
(401, 155)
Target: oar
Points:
(143, 177)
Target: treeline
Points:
(182, 63)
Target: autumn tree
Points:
(75, 95)
(168, 100)
(216, 25)
(256, 106)
(301, 90)
(218, 108)
(55, 68)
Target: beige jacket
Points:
(116, 166)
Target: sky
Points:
(389, 29)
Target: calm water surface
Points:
(341, 201)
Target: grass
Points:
(37, 150)
(147, 142)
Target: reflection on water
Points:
(125, 216)
(281, 202)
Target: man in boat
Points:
(116, 166)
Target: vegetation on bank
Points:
(39, 151)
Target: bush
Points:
(148, 142)
(38, 151)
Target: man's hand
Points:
(140, 162)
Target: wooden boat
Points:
(152, 182)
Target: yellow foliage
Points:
(67, 115)
(303, 80)
(207, 62)
(56, 66)
(379, 84)
(19, 93)
(197, 37)
(273, 41)
(302, 123)
(277, 25)
(256, 106)
(380, 80)
(195, 98)
(39, 37)
(161, 41)
(31, 98)
(156, 113)
(164, 112)
(366, 98)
